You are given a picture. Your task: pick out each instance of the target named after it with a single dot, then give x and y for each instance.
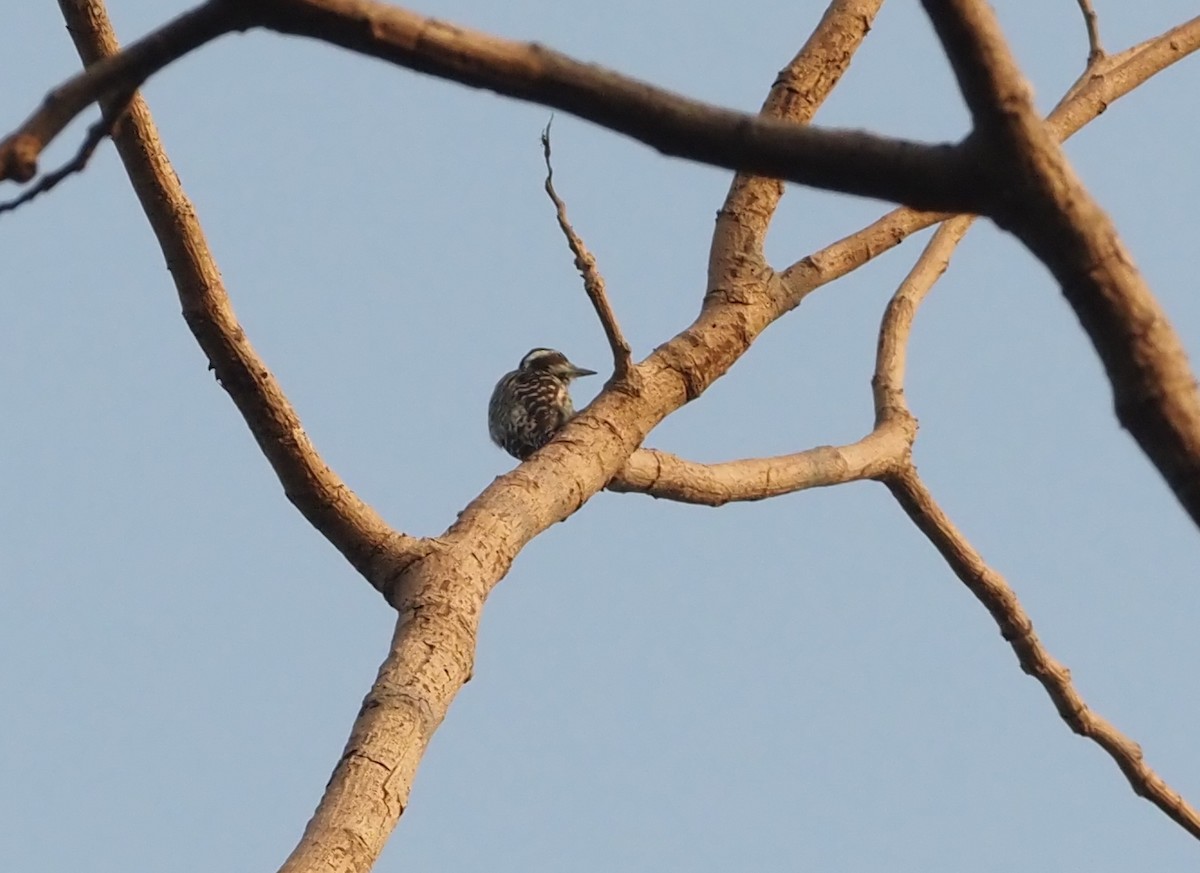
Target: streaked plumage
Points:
(532, 402)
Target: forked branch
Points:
(667, 476)
(97, 132)
(1095, 91)
(1154, 389)
(440, 586)
(988, 586)
(117, 73)
(798, 92)
(1092, 23)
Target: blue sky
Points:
(794, 684)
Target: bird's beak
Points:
(576, 372)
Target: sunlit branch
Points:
(324, 499)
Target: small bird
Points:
(532, 402)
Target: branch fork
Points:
(438, 585)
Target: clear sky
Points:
(794, 684)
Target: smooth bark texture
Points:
(669, 477)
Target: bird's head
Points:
(552, 362)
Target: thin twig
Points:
(96, 133)
(991, 589)
(1092, 22)
(593, 282)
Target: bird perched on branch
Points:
(532, 402)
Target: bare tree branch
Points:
(96, 134)
(1016, 627)
(738, 272)
(122, 74)
(1092, 22)
(438, 586)
(924, 176)
(892, 355)
(799, 90)
(666, 476)
(669, 477)
(985, 583)
(1114, 76)
(1052, 212)
(439, 598)
(1085, 101)
(439, 595)
(593, 282)
(928, 176)
(332, 508)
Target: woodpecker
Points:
(532, 402)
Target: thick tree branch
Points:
(1050, 210)
(738, 272)
(439, 599)
(990, 588)
(439, 596)
(922, 175)
(593, 282)
(348, 523)
(928, 176)
(942, 177)
(736, 257)
(666, 476)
